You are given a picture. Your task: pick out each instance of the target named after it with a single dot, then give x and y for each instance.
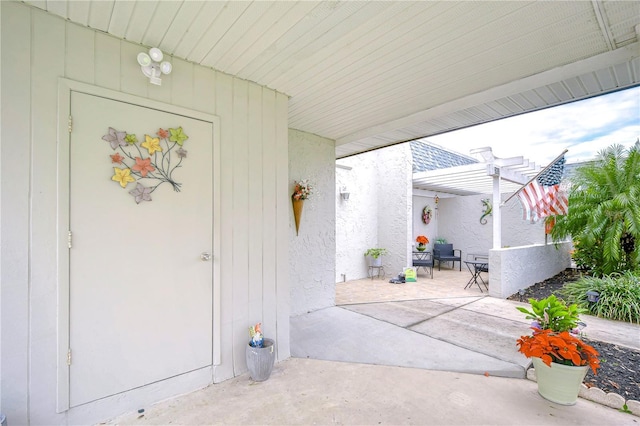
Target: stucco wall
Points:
(356, 218)
(377, 212)
(312, 252)
(520, 267)
(459, 222)
(254, 199)
(394, 206)
(429, 230)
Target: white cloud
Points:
(584, 128)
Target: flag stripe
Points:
(543, 196)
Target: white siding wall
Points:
(37, 49)
(312, 252)
(377, 212)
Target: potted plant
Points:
(422, 242)
(375, 254)
(560, 357)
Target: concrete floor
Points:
(428, 352)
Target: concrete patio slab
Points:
(403, 314)
(337, 334)
(331, 379)
(478, 332)
(315, 392)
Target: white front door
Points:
(140, 283)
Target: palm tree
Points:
(604, 210)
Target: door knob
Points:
(205, 256)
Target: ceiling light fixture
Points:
(153, 66)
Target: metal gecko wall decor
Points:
(153, 167)
(488, 209)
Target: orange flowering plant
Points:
(561, 348)
(555, 335)
(421, 239)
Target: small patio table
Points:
(476, 267)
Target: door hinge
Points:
(70, 124)
(69, 237)
(69, 357)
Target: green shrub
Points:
(553, 313)
(619, 296)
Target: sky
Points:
(584, 128)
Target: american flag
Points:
(543, 196)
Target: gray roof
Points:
(427, 156)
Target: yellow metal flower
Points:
(123, 176)
(152, 144)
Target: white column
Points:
(497, 221)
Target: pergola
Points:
(492, 175)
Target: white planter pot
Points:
(375, 262)
(260, 360)
(559, 383)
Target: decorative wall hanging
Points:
(153, 167)
(427, 213)
(488, 209)
(301, 192)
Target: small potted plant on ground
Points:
(375, 255)
(560, 357)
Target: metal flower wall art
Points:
(149, 163)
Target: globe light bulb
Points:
(156, 54)
(166, 67)
(143, 59)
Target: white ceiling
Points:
(373, 73)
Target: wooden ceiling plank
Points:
(574, 85)
(203, 21)
(590, 82)
(368, 39)
(120, 18)
(141, 19)
(606, 79)
(623, 74)
(100, 14)
(526, 100)
(318, 109)
(320, 28)
(183, 21)
(560, 91)
(79, 12)
(267, 41)
(58, 7)
(393, 62)
(163, 16)
(40, 4)
(387, 70)
(296, 30)
(248, 27)
(224, 20)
